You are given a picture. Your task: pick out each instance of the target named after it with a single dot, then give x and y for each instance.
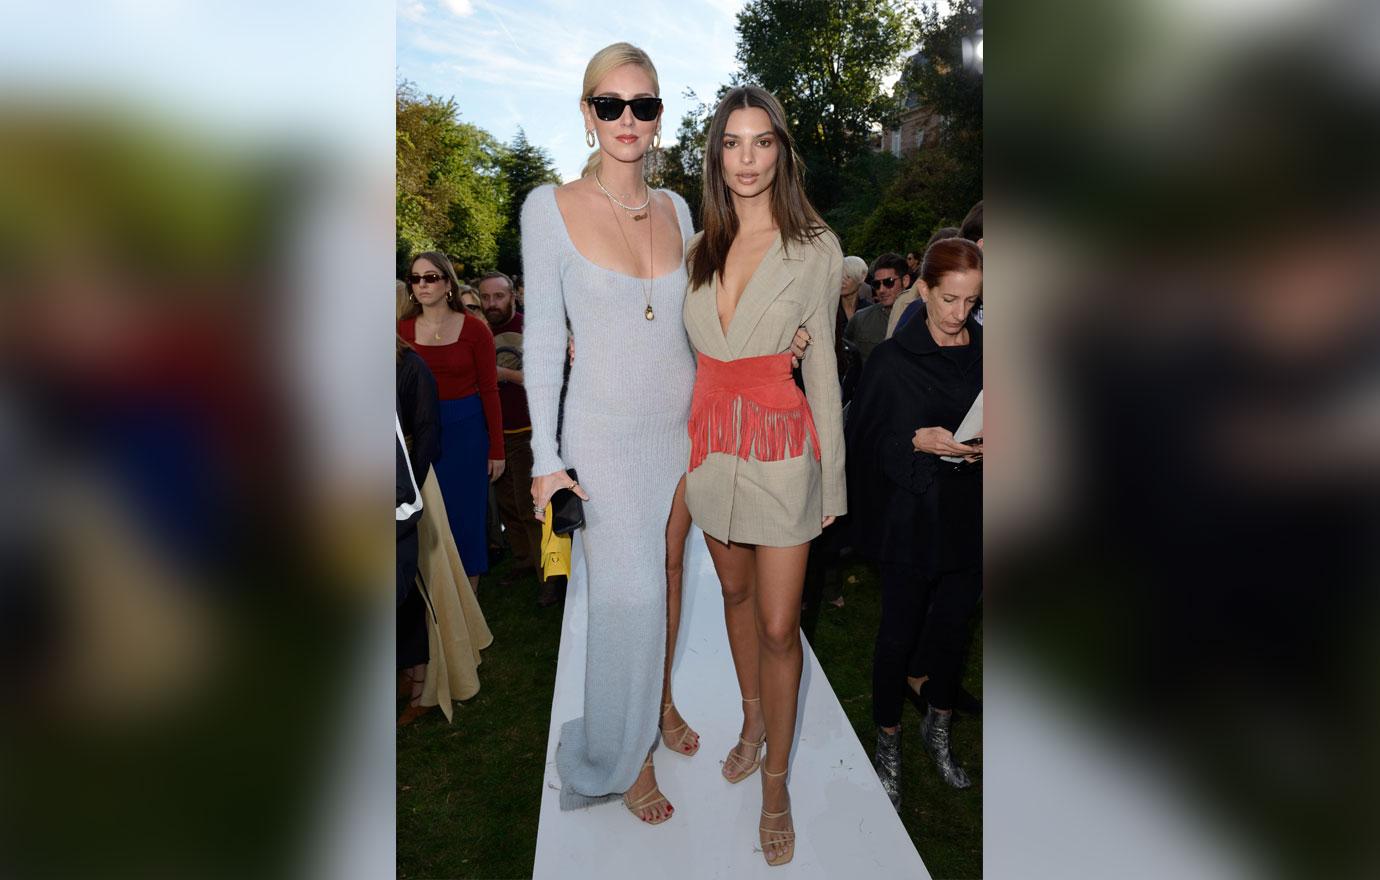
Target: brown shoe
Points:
(547, 596)
(412, 713)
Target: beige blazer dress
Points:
(775, 503)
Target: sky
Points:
(313, 71)
(514, 64)
(520, 63)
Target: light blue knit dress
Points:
(626, 412)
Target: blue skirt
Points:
(463, 474)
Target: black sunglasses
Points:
(429, 278)
(888, 283)
(609, 108)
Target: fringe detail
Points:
(730, 423)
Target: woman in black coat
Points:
(923, 525)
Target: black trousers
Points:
(933, 611)
(412, 637)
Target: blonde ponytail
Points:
(592, 163)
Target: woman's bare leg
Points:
(677, 529)
(735, 565)
(780, 581)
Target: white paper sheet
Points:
(970, 427)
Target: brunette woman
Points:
(766, 461)
(459, 350)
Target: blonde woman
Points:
(469, 301)
(606, 253)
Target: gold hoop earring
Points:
(656, 140)
(589, 137)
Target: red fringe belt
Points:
(749, 407)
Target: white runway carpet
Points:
(845, 825)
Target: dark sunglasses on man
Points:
(888, 283)
(609, 108)
(429, 278)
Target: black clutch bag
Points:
(567, 510)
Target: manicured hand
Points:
(940, 441)
(799, 344)
(544, 487)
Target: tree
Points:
(524, 168)
(451, 195)
(864, 182)
(937, 185)
(927, 192)
(950, 89)
(825, 60)
(681, 166)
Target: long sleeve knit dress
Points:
(626, 410)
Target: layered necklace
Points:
(649, 314)
(633, 211)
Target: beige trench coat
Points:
(898, 307)
(775, 503)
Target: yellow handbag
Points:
(555, 550)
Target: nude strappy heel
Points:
(783, 842)
(738, 760)
(650, 799)
(688, 743)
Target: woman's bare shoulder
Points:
(573, 195)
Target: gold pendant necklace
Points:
(436, 336)
(649, 314)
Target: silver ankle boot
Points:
(934, 730)
(887, 763)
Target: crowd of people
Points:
(687, 377)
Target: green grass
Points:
(469, 794)
(944, 823)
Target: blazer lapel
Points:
(773, 275)
(704, 312)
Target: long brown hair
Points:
(797, 219)
(442, 262)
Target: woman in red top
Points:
(459, 349)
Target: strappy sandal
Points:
(782, 842)
(688, 743)
(650, 799)
(736, 759)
